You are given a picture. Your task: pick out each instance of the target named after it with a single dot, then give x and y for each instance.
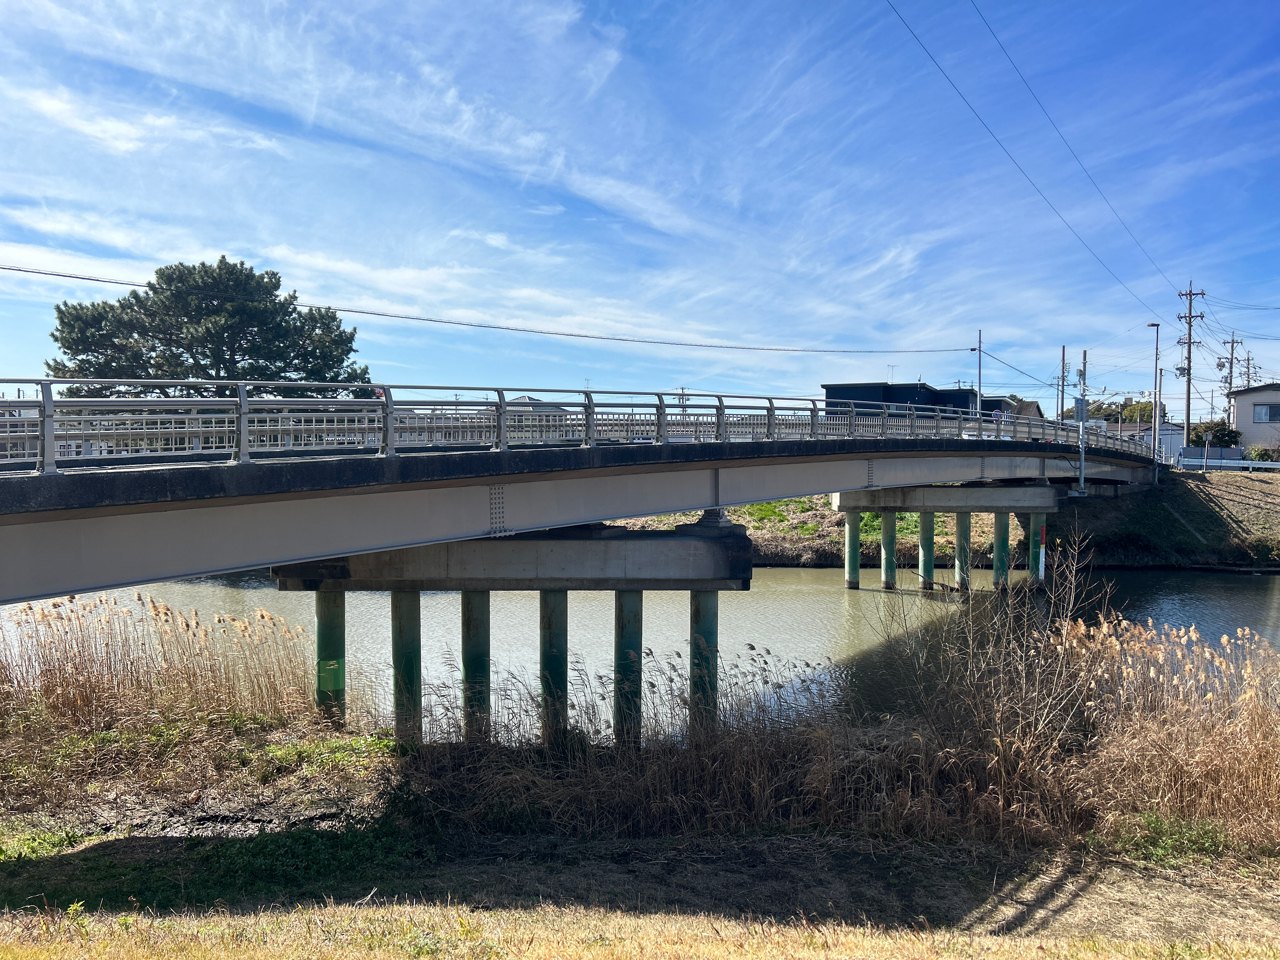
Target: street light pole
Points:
(1155, 412)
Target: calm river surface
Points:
(796, 614)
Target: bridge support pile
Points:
(1035, 501)
(703, 558)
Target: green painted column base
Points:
(406, 665)
(889, 550)
(704, 660)
(554, 635)
(1035, 548)
(331, 655)
(1000, 553)
(852, 548)
(628, 657)
(475, 666)
(964, 556)
(926, 551)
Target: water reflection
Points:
(795, 614)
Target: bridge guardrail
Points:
(58, 424)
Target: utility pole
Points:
(1062, 384)
(979, 384)
(1190, 316)
(1228, 362)
(1082, 411)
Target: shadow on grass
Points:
(781, 877)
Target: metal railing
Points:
(53, 425)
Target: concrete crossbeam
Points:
(598, 557)
(986, 499)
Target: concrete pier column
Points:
(628, 653)
(889, 550)
(963, 557)
(406, 664)
(1035, 547)
(553, 627)
(926, 550)
(704, 658)
(852, 548)
(475, 665)
(331, 655)
(1000, 552)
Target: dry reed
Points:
(93, 687)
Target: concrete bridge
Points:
(179, 479)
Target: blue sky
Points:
(760, 173)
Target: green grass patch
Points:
(352, 754)
(776, 511)
(33, 844)
(1169, 840)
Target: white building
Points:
(1255, 412)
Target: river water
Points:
(796, 614)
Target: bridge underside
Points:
(139, 526)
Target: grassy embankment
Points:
(1222, 520)
(981, 778)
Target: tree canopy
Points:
(221, 321)
(1218, 433)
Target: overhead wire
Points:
(1022, 170)
(515, 328)
(1032, 376)
(1070, 149)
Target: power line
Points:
(1070, 149)
(1036, 187)
(513, 328)
(1006, 363)
(1235, 305)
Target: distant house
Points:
(919, 394)
(1028, 408)
(1255, 412)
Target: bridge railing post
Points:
(884, 420)
(660, 427)
(242, 423)
(771, 422)
(911, 420)
(722, 423)
(813, 419)
(500, 439)
(388, 423)
(589, 420)
(48, 430)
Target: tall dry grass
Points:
(91, 687)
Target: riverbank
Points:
(1004, 774)
(1222, 521)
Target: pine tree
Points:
(220, 321)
